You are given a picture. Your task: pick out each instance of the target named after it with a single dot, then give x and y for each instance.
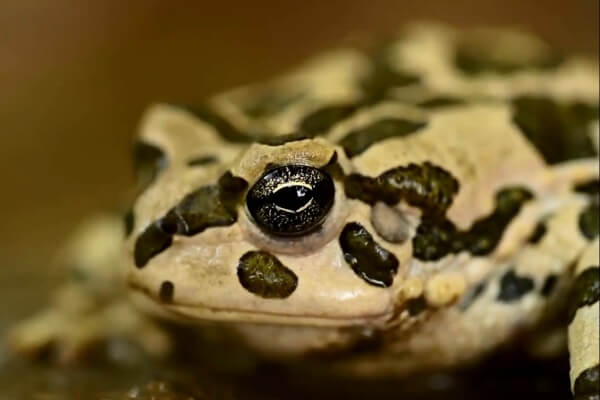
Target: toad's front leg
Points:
(91, 308)
(584, 322)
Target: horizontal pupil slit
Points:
(292, 198)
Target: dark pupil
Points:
(292, 197)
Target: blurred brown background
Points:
(75, 76)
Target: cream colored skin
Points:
(332, 308)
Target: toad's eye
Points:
(291, 200)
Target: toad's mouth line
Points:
(198, 313)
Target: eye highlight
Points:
(291, 200)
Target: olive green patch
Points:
(129, 222)
(440, 102)
(587, 384)
(549, 285)
(269, 104)
(426, 186)
(416, 306)
(152, 241)
(589, 219)
(264, 275)
(201, 161)
(223, 127)
(323, 119)
(513, 287)
(591, 187)
(361, 139)
(472, 295)
(559, 131)
(149, 161)
(538, 233)
(585, 290)
(473, 60)
(166, 292)
(376, 265)
(206, 207)
(383, 77)
(437, 236)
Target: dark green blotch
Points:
(589, 219)
(129, 222)
(440, 102)
(264, 275)
(416, 306)
(166, 292)
(559, 131)
(591, 187)
(148, 161)
(201, 161)
(371, 262)
(587, 384)
(334, 169)
(223, 127)
(384, 77)
(269, 104)
(513, 287)
(475, 61)
(473, 295)
(585, 290)
(152, 241)
(437, 236)
(549, 285)
(208, 206)
(425, 186)
(538, 233)
(323, 119)
(361, 139)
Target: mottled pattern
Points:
(437, 237)
(382, 77)
(152, 241)
(585, 290)
(209, 206)
(426, 186)
(473, 295)
(559, 131)
(376, 265)
(589, 219)
(221, 125)
(513, 287)
(538, 233)
(549, 285)
(587, 384)
(477, 61)
(323, 119)
(264, 275)
(361, 139)
(148, 161)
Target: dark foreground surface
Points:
(497, 379)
